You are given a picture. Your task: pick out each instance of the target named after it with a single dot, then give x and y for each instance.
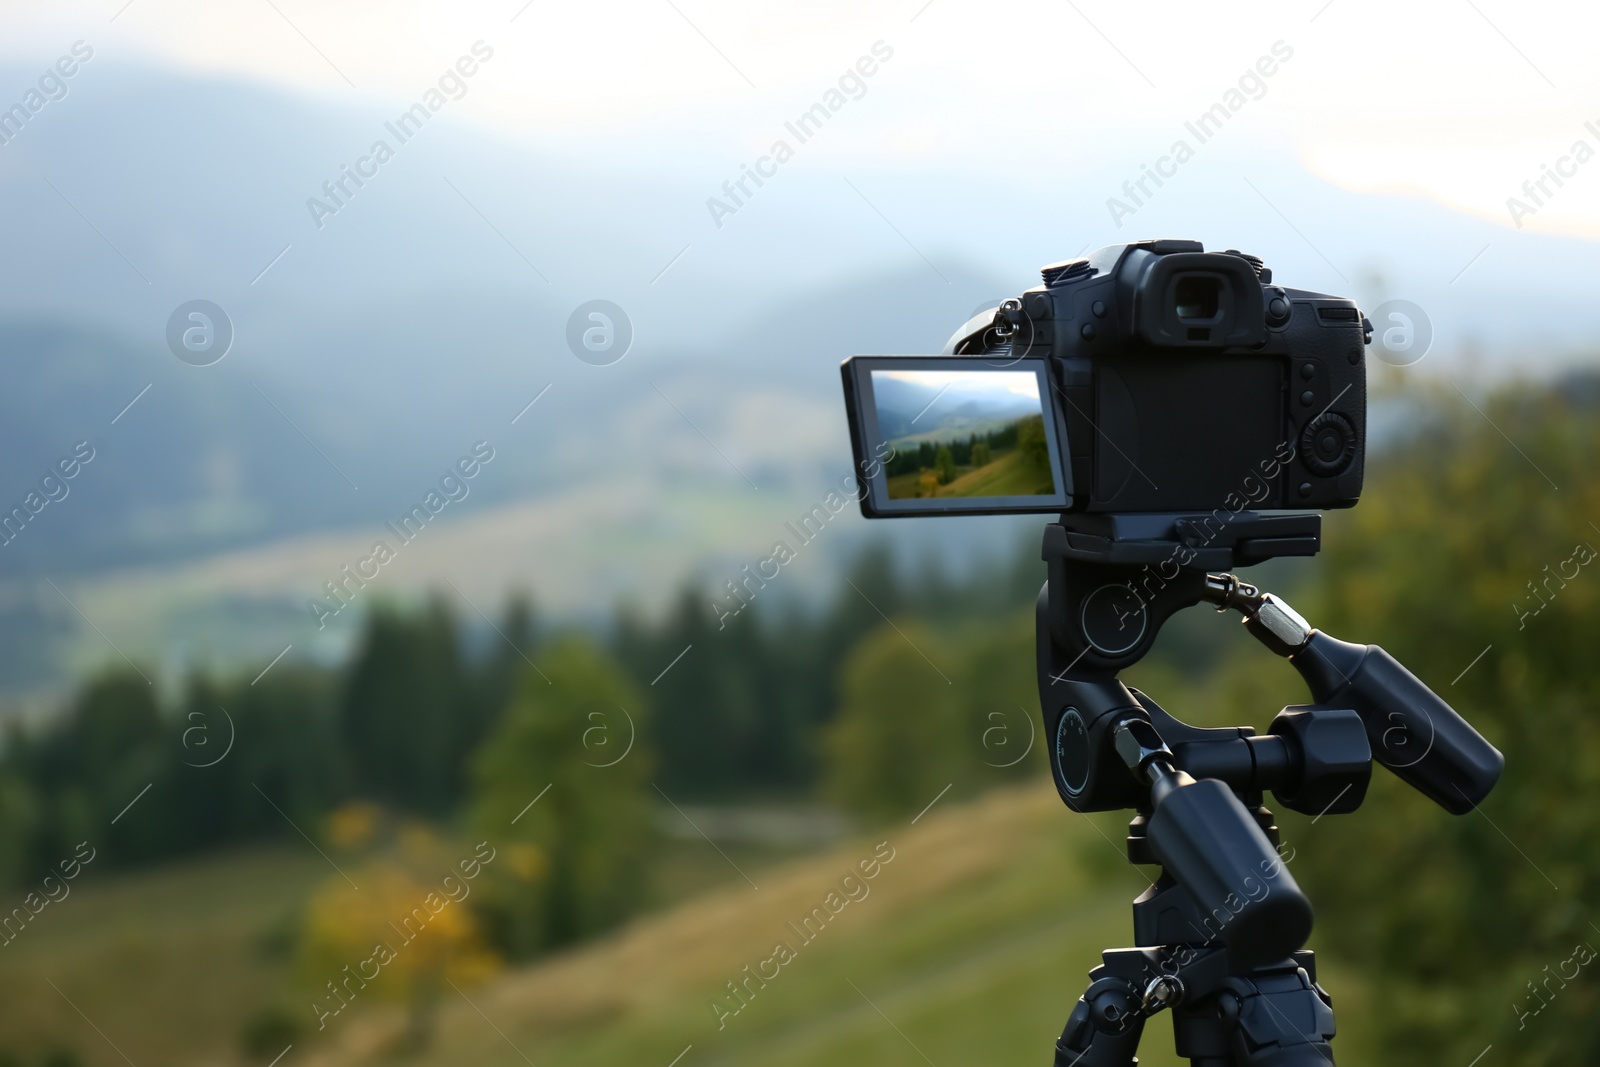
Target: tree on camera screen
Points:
(963, 433)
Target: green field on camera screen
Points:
(963, 433)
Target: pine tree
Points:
(400, 717)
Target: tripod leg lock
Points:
(1108, 1020)
(1112, 1005)
(1281, 1019)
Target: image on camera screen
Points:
(963, 433)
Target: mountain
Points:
(372, 352)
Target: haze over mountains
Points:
(423, 317)
(937, 409)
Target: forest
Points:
(1012, 460)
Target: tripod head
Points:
(1112, 581)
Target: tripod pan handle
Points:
(1412, 732)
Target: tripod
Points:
(1218, 939)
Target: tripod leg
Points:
(1105, 1025)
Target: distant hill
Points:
(915, 411)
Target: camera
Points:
(1147, 378)
(1186, 417)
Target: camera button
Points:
(1088, 331)
(1308, 398)
(1098, 308)
(1308, 371)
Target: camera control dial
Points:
(1328, 444)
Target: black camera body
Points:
(1187, 381)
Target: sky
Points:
(969, 384)
(1456, 102)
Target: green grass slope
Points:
(969, 948)
(166, 964)
(1009, 475)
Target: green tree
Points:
(19, 820)
(1031, 441)
(980, 454)
(921, 711)
(111, 746)
(286, 745)
(897, 739)
(705, 709)
(945, 464)
(513, 645)
(565, 742)
(399, 717)
(998, 690)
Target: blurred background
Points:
(400, 397)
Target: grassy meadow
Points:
(969, 948)
(1006, 475)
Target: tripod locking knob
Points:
(1164, 991)
(1270, 620)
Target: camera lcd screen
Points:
(946, 435)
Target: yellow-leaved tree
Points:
(398, 928)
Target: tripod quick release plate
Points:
(1216, 540)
